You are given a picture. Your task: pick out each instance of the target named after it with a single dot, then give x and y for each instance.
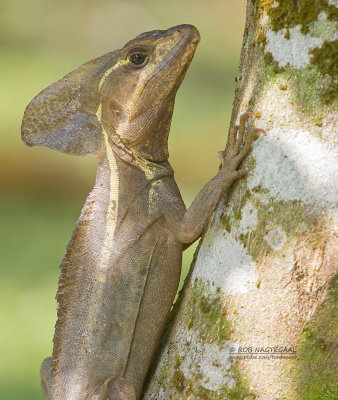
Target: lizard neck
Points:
(121, 150)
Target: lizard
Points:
(121, 269)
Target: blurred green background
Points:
(42, 191)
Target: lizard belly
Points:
(106, 331)
(158, 296)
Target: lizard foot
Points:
(237, 148)
(120, 389)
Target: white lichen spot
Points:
(249, 219)
(322, 16)
(324, 28)
(209, 361)
(224, 263)
(293, 51)
(276, 238)
(294, 165)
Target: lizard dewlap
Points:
(121, 269)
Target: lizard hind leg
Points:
(120, 389)
(46, 377)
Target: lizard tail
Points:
(119, 389)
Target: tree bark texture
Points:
(257, 317)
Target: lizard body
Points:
(121, 270)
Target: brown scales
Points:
(122, 266)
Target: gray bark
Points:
(263, 279)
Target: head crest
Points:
(63, 116)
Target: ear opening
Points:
(63, 116)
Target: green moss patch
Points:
(289, 216)
(207, 314)
(290, 13)
(308, 89)
(325, 58)
(188, 387)
(317, 369)
(305, 89)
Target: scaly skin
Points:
(121, 270)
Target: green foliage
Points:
(34, 235)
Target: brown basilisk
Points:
(121, 270)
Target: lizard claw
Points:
(237, 147)
(221, 156)
(242, 122)
(247, 115)
(252, 135)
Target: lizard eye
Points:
(138, 59)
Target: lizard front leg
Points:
(187, 225)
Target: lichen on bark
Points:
(264, 272)
(207, 331)
(308, 21)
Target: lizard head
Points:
(138, 94)
(127, 94)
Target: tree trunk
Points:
(256, 317)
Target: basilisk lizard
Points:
(121, 269)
